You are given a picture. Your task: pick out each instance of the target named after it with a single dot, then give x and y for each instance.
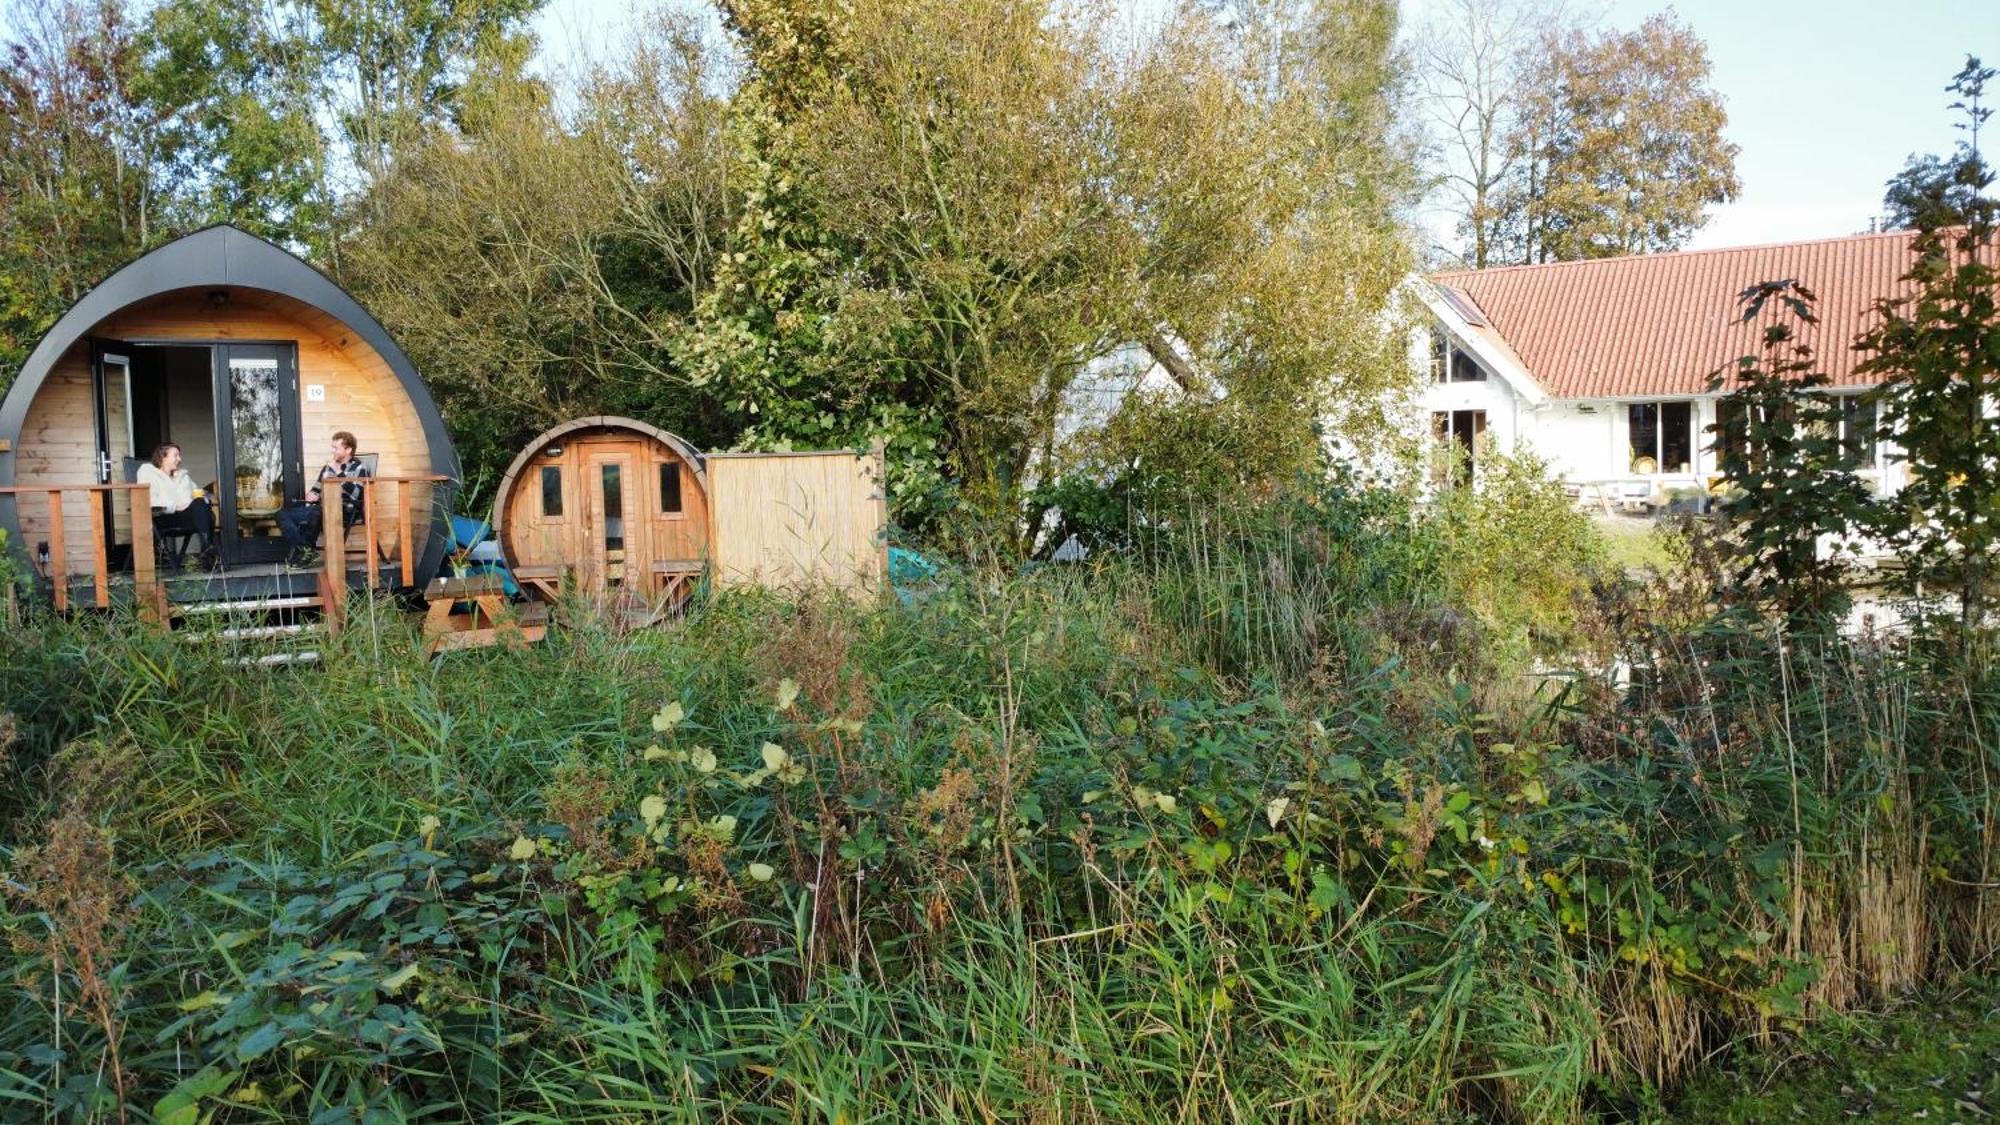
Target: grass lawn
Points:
(1934, 1059)
(1633, 542)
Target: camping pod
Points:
(616, 505)
(249, 360)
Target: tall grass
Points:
(1244, 827)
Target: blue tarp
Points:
(475, 551)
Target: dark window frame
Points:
(1462, 434)
(1655, 415)
(673, 500)
(552, 474)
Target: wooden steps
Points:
(276, 631)
(250, 605)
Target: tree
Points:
(1796, 504)
(536, 262)
(81, 184)
(1931, 191)
(118, 136)
(952, 213)
(1619, 145)
(1937, 351)
(1473, 63)
(234, 89)
(1935, 191)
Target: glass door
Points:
(111, 390)
(609, 556)
(257, 423)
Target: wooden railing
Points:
(151, 595)
(333, 583)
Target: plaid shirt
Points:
(350, 494)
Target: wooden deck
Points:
(368, 556)
(250, 582)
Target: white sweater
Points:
(170, 493)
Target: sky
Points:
(1827, 99)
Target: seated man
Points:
(300, 522)
(178, 506)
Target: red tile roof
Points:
(1660, 324)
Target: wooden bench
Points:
(674, 579)
(490, 619)
(546, 580)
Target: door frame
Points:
(105, 350)
(596, 552)
(291, 446)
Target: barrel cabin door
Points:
(615, 548)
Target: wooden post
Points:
(368, 530)
(404, 538)
(100, 564)
(58, 551)
(879, 453)
(333, 533)
(145, 586)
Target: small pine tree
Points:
(1937, 353)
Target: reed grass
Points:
(1251, 824)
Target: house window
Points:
(551, 490)
(1662, 437)
(1853, 431)
(1452, 365)
(1460, 437)
(670, 487)
(1857, 432)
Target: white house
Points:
(1602, 367)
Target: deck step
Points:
(254, 632)
(276, 659)
(250, 605)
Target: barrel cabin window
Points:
(1661, 437)
(670, 488)
(552, 490)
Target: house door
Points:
(616, 520)
(111, 393)
(257, 438)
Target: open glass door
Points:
(111, 390)
(256, 389)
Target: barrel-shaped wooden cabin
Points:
(249, 360)
(609, 504)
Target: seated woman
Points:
(178, 506)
